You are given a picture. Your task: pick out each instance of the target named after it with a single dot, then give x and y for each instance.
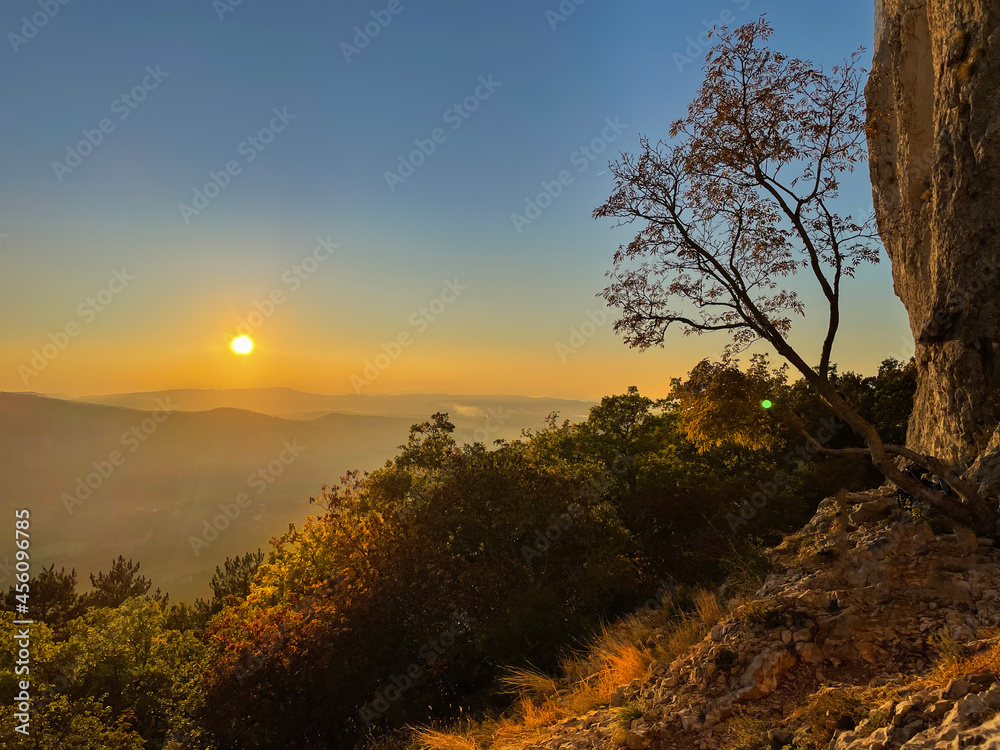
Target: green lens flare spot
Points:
(766, 404)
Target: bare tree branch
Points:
(740, 201)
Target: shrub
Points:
(506, 555)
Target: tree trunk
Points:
(934, 109)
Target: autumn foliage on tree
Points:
(741, 203)
(401, 601)
(417, 580)
(720, 403)
(414, 587)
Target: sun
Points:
(242, 344)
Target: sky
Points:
(339, 181)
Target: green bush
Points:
(419, 581)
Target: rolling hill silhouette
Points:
(112, 478)
(289, 403)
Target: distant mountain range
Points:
(292, 404)
(141, 474)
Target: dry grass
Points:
(621, 653)
(950, 652)
(746, 731)
(525, 726)
(614, 658)
(829, 710)
(758, 613)
(530, 682)
(445, 740)
(954, 659)
(708, 608)
(617, 655)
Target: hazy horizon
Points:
(79, 396)
(180, 459)
(307, 241)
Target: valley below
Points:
(181, 480)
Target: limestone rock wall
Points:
(934, 110)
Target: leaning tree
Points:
(739, 203)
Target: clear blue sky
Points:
(324, 175)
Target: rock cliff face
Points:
(934, 110)
(848, 614)
(875, 632)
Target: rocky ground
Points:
(842, 648)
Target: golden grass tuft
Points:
(618, 654)
(746, 731)
(438, 740)
(709, 608)
(625, 664)
(832, 709)
(954, 661)
(530, 682)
